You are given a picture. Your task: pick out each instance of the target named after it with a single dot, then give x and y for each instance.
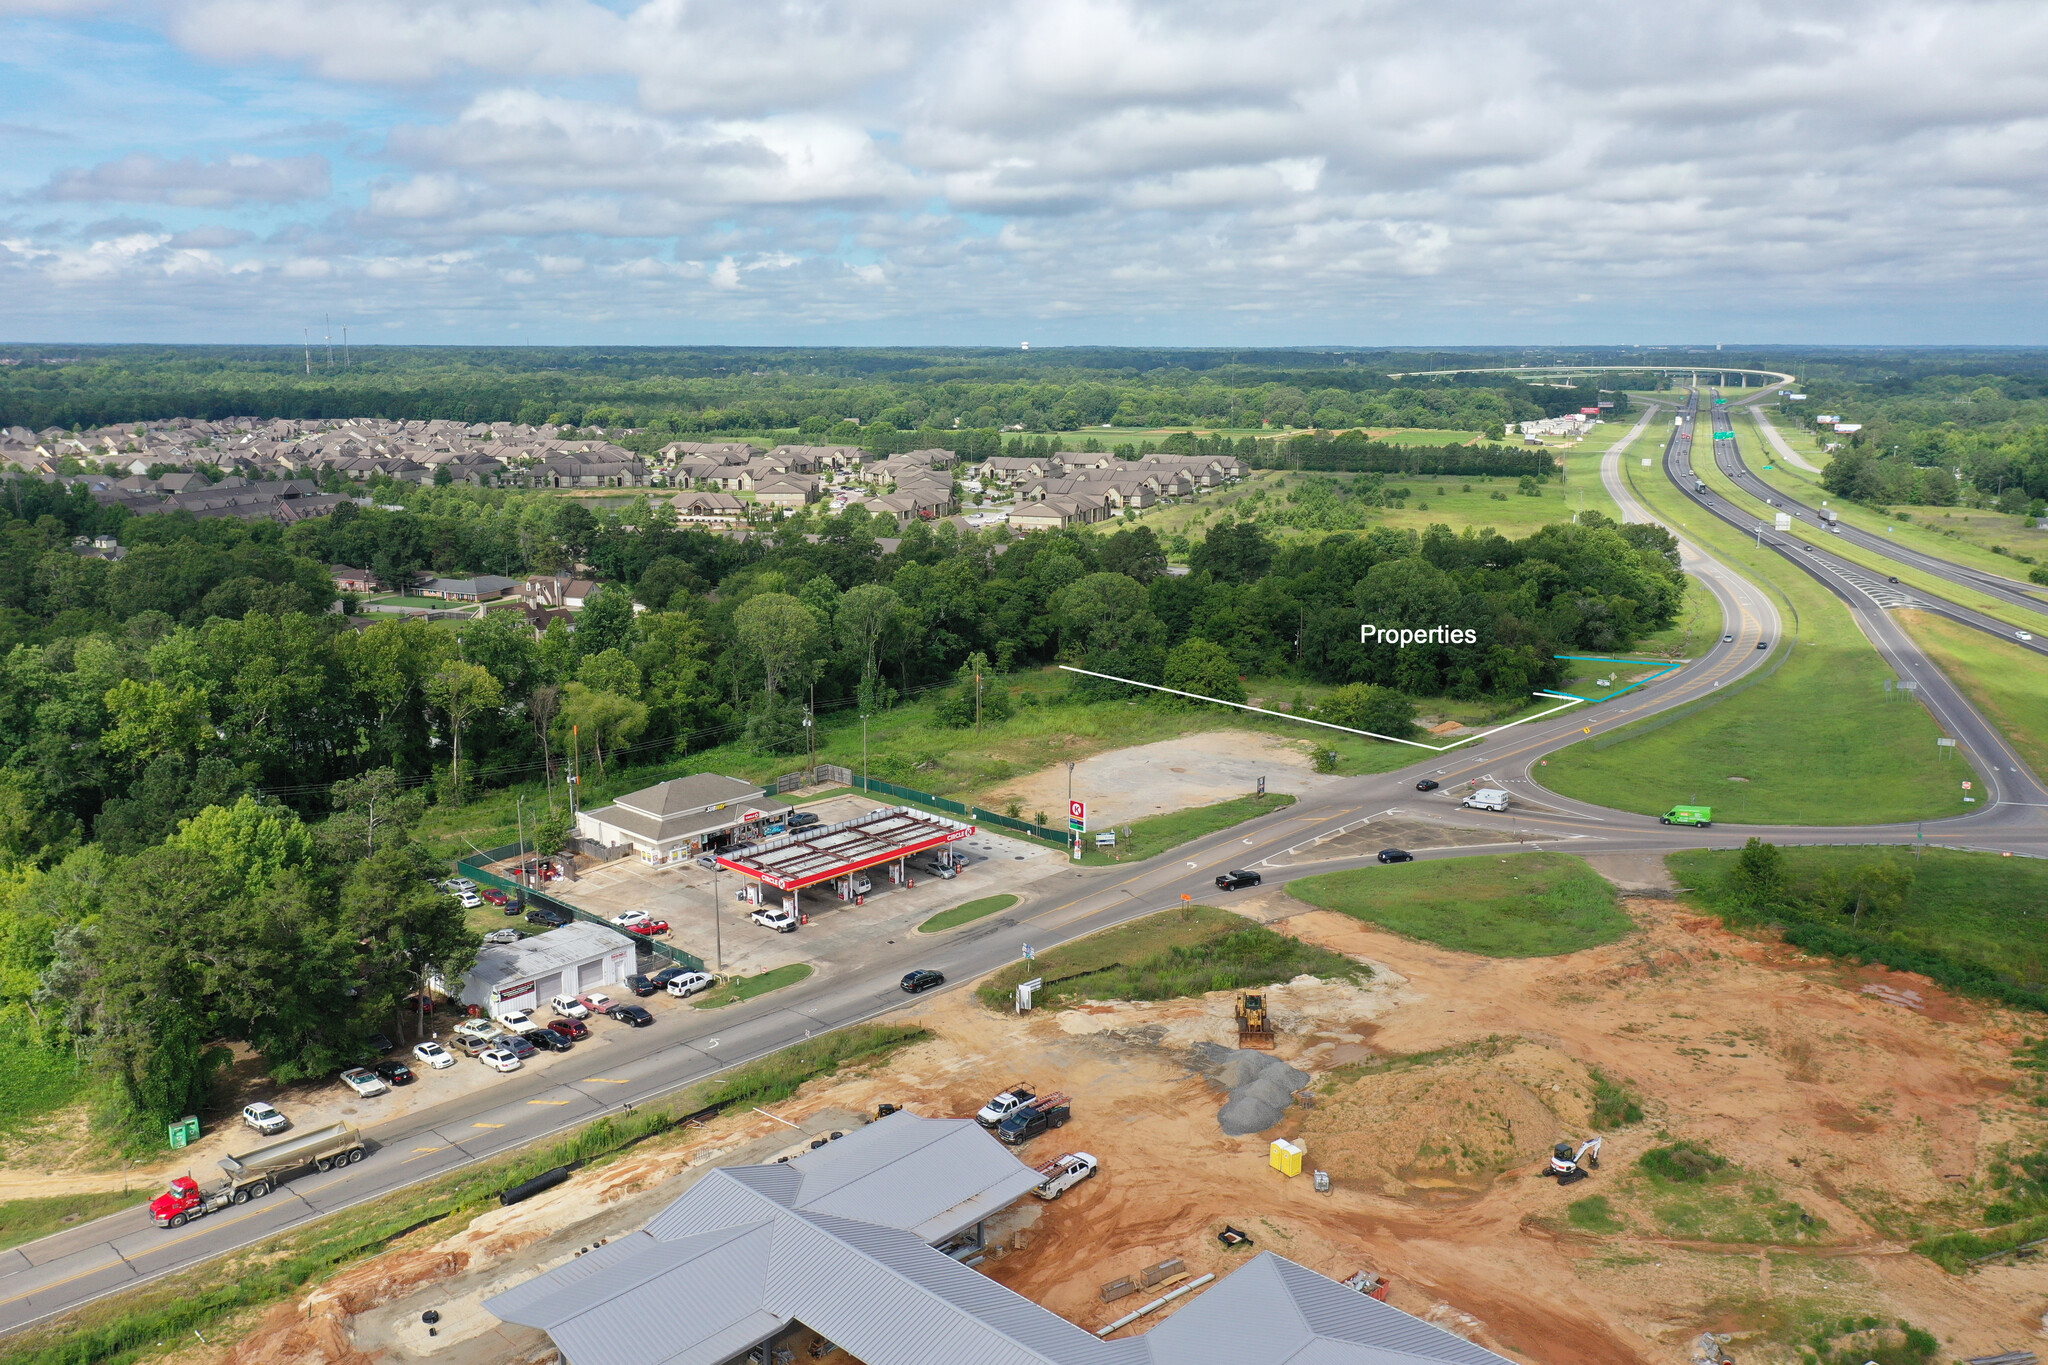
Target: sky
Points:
(1209, 172)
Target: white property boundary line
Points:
(1327, 725)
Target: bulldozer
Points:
(1254, 1028)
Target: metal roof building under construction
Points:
(840, 1241)
(822, 853)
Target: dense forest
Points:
(1937, 439)
(208, 776)
(671, 393)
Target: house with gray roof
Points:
(845, 1242)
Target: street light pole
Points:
(717, 936)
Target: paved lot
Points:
(840, 934)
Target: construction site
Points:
(1775, 1133)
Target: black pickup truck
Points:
(1047, 1111)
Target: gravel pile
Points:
(1261, 1086)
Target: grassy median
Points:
(738, 988)
(2002, 680)
(1819, 742)
(1522, 905)
(1151, 837)
(967, 914)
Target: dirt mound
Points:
(1261, 1087)
(1448, 1123)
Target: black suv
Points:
(922, 980)
(1234, 880)
(642, 985)
(552, 919)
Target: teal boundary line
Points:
(1665, 671)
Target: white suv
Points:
(480, 1029)
(570, 1007)
(688, 984)
(264, 1118)
(781, 921)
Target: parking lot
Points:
(839, 932)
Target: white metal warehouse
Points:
(520, 976)
(846, 1241)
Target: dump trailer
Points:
(1047, 1111)
(255, 1173)
(1254, 1028)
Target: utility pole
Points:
(977, 701)
(717, 937)
(306, 338)
(863, 751)
(522, 843)
(575, 762)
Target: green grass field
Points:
(1522, 905)
(738, 988)
(24, 1220)
(1817, 743)
(967, 914)
(2003, 681)
(36, 1083)
(1148, 838)
(1189, 951)
(1972, 907)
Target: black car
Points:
(1396, 855)
(641, 984)
(394, 1072)
(636, 1015)
(517, 1045)
(666, 975)
(553, 919)
(1763, 644)
(1427, 784)
(1233, 880)
(547, 1040)
(1894, 578)
(801, 819)
(922, 980)
(381, 1043)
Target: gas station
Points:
(839, 856)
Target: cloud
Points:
(1151, 169)
(145, 178)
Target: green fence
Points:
(952, 807)
(473, 868)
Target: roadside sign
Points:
(1030, 953)
(1077, 816)
(1262, 786)
(1966, 786)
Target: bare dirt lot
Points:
(1434, 1093)
(1197, 769)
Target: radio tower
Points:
(329, 319)
(307, 333)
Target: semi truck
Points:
(255, 1173)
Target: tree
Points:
(977, 699)
(249, 844)
(606, 621)
(1361, 706)
(1234, 552)
(401, 928)
(1104, 613)
(462, 690)
(1135, 553)
(781, 632)
(551, 831)
(1759, 877)
(610, 671)
(604, 720)
(367, 808)
(1204, 667)
(869, 614)
(541, 706)
(1879, 888)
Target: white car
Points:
(780, 920)
(433, 1055)
(516, 1021)
(2021, 635)
(364, 1081)
(498, 1059)
(631, 917)
(468, 900)
(264, 1118)
(569, 1007)
(479, 1029)
(688, 984)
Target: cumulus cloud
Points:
(145, 178)
(1194, 167)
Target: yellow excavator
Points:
(1254, 1029)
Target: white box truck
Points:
(1487, 798)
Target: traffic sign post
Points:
(1262, 786)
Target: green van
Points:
(1701, 816)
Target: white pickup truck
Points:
(1487, 798)
(1062, 1173)
(1002, 1106)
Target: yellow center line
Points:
(487, 1125)
(430, 1149)
(606, 1080)
(547, 1101)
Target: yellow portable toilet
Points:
(1286, 1156)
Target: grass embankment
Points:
(1523, 905)
(1971, 921)
(738, 988)
(1188, 951)
(967, 914)
(1817, 743)
(24, 1220)
(166, 1314)
(2005, 682)
(1154, 836)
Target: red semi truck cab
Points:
(181, 1201)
